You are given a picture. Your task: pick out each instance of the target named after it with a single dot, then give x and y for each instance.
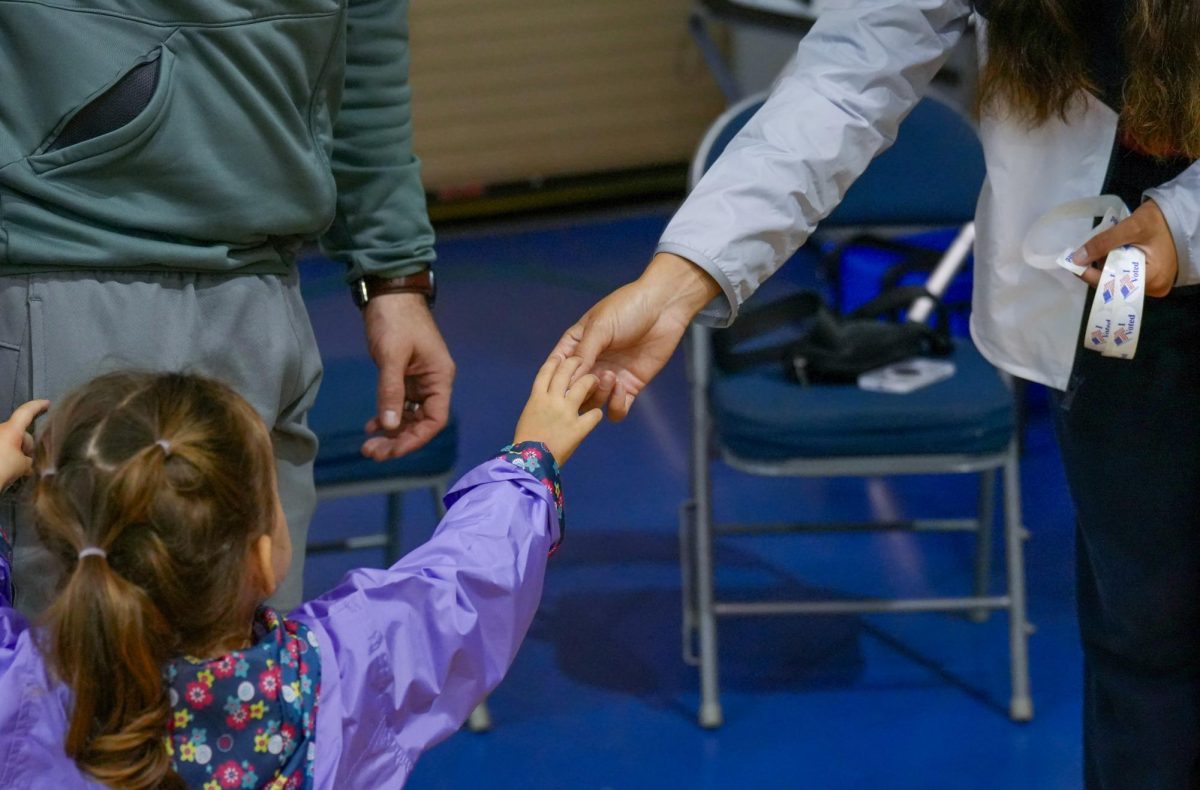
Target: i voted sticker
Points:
(1065, 261)
(1099, 331)
(1111, 217)
(1125, 335)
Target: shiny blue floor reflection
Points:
(599, 696)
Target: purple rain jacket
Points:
(405, 653)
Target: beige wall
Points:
(517, 90)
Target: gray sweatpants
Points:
(59, 330)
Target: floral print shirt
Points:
(247, 719)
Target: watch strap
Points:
(371, 286)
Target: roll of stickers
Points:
(1115, 320)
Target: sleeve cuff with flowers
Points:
(536, 459)
(6, 553)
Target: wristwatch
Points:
(367, 288)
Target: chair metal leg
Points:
(698, 25)
(1021, 704)
(701, 555)
(983, 539)
(480, 719)
(687, 566)
(395, 515)
(706, 618)
(702, 577)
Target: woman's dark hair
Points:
(172, 476)
(1037, 66)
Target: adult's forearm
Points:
(856, 75)
(382, 223)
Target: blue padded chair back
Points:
(930, 176)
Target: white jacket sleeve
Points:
(1179, 200)
(838, 104)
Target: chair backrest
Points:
(930, 176)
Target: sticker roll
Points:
(1115, 320)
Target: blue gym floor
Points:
(599, 696)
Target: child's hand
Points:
(16, 445)
(551, 415)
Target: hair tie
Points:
(92, 551)
(49, 471)
(166, 447)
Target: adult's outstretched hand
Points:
(628, 336)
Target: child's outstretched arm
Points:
(407, 652)
(16, 450)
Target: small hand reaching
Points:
(551, 415)
(16, 445)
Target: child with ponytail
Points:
(157, 665)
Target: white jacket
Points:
(856, 75)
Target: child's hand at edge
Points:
(16, 445)
(551, 415)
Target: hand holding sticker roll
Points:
(1113, 261)
(1145, 228)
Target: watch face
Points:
(358, 290)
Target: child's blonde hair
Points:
(172, 477)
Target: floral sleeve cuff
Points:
(6, 553)
(536, 459)
(6, 546)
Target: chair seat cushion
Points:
(762, 415)
(345, 403)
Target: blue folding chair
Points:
(761, 423)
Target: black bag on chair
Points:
(827, 348)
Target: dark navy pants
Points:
(1130, 437)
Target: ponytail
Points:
(109, 645)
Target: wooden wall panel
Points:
(519, 90)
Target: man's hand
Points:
(1146, 229)
(628, 336)
(16, 445)
(416, 375)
